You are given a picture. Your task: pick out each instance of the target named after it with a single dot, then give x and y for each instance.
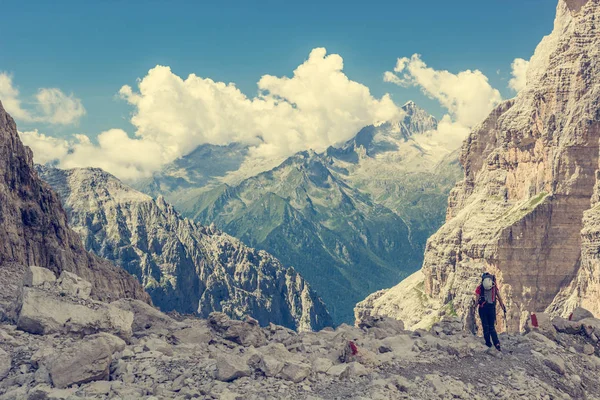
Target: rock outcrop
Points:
(34, 230)
(184, 266)
(526, 209)
(220, 358)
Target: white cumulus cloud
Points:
(115, 152)
(467, 95)
(519, 72)
(51, 105)
(316, 107)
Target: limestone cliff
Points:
(184, 266)
(34, 230)
(531, 172)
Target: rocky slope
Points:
(351, 220)
(140, 353)
(184, 266)
(526, 209)
(34, 230)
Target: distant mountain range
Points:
(352, 220)
(184, 266)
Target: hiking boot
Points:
(498, 347)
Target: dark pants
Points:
(487, 313)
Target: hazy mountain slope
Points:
(352, 220)
(184, 266)
(404, 167)
(343, 243)
(525, 209)
(34, 230)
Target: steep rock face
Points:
(33, 225)
(530, 174)
(184, 266)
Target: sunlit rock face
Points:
(526, 207)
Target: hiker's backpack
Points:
(485, 276)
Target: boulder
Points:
(45, 392)
(37, 276)
(73, 285)
(354, 369)
(580, 313)
(390, 325)
(146, 317)
(155, 344)
(565, 326)
(322, 365)
(5, 363)
(192, 336)
(556, 364)
(86, 361)
(447, 326)
(44, 312)
(295, 372)
(542, 323)
(270, 366)
(230, 368)
(238, 332)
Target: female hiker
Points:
(487, 293)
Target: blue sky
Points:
(91, 49)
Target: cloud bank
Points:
(317, 107)
(51, 105)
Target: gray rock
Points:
(556, 364)
(43, 312)
(270, 365)
(45, 392)
(230, 368)
(580, 313)
(588, 349)
(5, 364)
(87, 360)
(155, 344)
(192, 336)
(73, 285)
(237, 331)
(37, 276)
(146, 317)
(295, 372)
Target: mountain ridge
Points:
(185, 267)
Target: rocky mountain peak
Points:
(34, 230)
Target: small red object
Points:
(534, 320)
(570, 316)
(353, 348)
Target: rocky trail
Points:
(64, 345)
